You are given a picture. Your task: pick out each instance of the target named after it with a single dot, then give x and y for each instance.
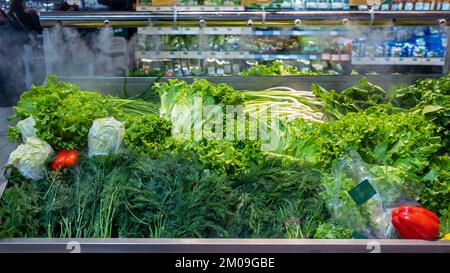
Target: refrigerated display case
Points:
(340, 47)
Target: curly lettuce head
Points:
(30, 158)
(105, 137)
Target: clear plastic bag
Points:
(361, 201)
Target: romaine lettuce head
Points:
(105, 137)
(30, 158)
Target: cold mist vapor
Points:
(71, 53)
(12, 67)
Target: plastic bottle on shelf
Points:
(310, 4)
(435, 42)
(438, 5)
(227, 67)
(385, 6)
(419, 5)
(325, 4)
(409, 5)
(446, 5)
(359, 47)
(236, 66)
(397, 5)
(210, 66)
(346, 5)
(427, 5)
(287, 4)
(432, 4)
(363, 7)
(337, 4)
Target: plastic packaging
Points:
(361, 201)
(105, 137)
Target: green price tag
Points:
(362, 192)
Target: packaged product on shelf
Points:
(318, 65)
(427, 5)
(419, 6)
(220, 68)
(236, 67)
(385, 6)
(140, 42)
(210, 66)
(303, 65)
(359, 201)
(397, 5)
(408, 5)
(446, 5)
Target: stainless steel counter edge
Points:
(221, 246)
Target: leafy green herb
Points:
(147, 134)
(64, 113)
(276, 68)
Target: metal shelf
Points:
(189, 8)
(243, 18)
(155, 55)
(236, 31)
(115, 85)
(397, 61)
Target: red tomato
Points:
(64, 159)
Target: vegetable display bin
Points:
(132, 86)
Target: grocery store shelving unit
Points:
(397, 61)
(240, 55)
(245, 21)
(212, 20)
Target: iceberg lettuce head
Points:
(105, 137)
(30, 158)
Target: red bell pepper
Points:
(64, 159)
(415, 222)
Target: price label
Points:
(260, 2)
(362, 192)
(164, 2)
(326, 57)
(364, 2)
(335, 57)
